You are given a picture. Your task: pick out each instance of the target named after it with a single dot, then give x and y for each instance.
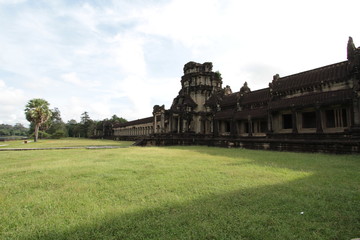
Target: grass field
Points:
(178, 193)
(65, 142)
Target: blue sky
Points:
(124, 56)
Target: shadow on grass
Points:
(267, 212)
(315, 162)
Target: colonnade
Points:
(134, 131)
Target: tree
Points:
(72, 128)
(86, 125)
(5, 130)
(85, 118)
(20, 130)
(37, 112)
(115, 119)
(55, 118)
(55, 126)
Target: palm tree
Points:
(37, 111)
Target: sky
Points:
(123, 57)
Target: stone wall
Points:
(308, 143)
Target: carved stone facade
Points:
(312, 106)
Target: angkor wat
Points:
(315, 110)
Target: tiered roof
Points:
(229, 100)
(261, 95)
(328, 74)
(257, 103)
(135, 122)
(321, 98)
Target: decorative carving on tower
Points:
(351, 49)
(228, 90)
(353, 56)
(244, 89)
(198, 84)
(159, 118)
(276, 77)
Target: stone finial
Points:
(208, 66)
(197, 67)
(158, 109)
(227, 90)
(245, 88)
(350, 49)
(276, 77)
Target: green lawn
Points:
(178, 193)
(65, 142)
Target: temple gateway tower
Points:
(188, 112)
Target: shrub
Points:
(58, 134)
(42, 135)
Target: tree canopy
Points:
(37, 112)
(47, 123)
(17, 130)
(115, 119)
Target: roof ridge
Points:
(311, 70)
(257, 90)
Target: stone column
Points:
(269, 122)
(203, 126)
(184, 126)
(356, 112)
(250, 126)
(162, 123)
(170, 124)
(216, 128)
(319, 127)
(155, 124)
(233, 131)
(294, 122)
(178, 124)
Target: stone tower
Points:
(198, 84)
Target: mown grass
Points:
(178, 193)
(64, 142)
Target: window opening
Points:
(309, 120)
(336, 118)
(287, 121)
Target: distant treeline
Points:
(87, 127)
(17, 130)
(55, 127)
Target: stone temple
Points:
(315, 110)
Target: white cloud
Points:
(40, 84)
(87, 57)
(73, 108)
(12, 1)
(252, 41)
(73, 78)
(193, 23)
(97, 109)
(10, 95)
(129, 54)
(12, 102)
(87, 16)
